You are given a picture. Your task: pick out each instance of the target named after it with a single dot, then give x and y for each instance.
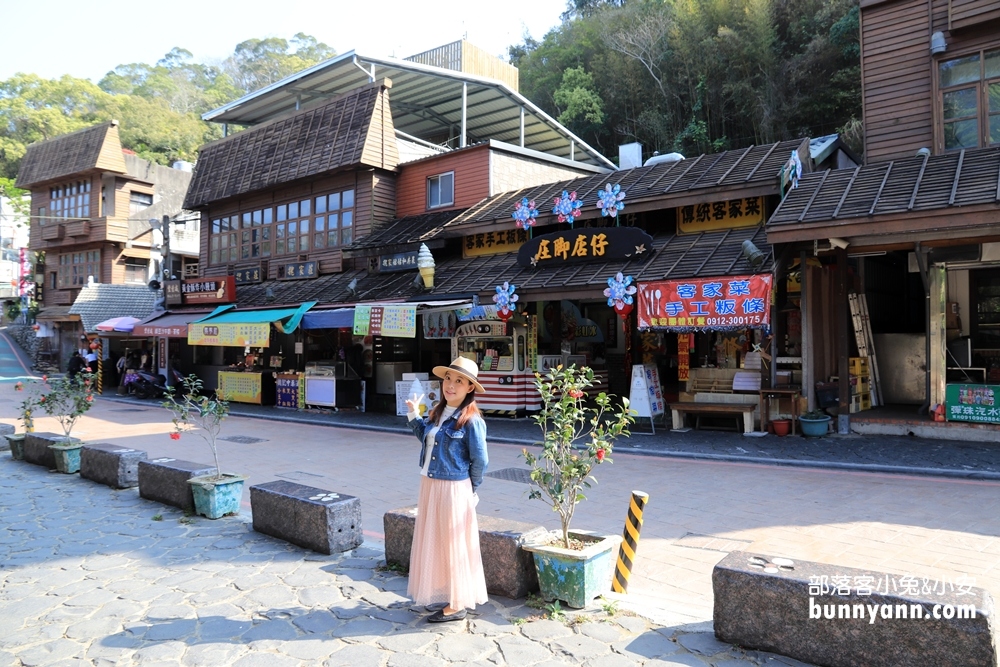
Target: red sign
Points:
(221, 289)
(161, 330)
(732, 302)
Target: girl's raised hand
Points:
(413, 403)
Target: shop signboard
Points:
(398, 321)
(711, 304)
(712, 216)
(211, 291)
(299, 271)
(972, 403)
(248, 275)
(573, 246)
(645, 397)
(255, 334)
(493, 243)
(401, 261)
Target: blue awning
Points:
(338, 318)
(285, 319)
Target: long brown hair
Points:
(466, 411)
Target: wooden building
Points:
(914, 230)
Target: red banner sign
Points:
(732, 302)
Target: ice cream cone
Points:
(427, 273)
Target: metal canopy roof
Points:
(426, 102)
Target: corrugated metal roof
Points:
(426, 103)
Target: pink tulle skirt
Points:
(446, 564)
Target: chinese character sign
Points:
(731, 214)
(972, 403)
(731, 302)
(493, 243)
(389, 320)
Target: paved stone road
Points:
(91, 576)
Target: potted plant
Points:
(215, 495)
(574, 566)
(16, 440)
(815, 423)
(67, 401)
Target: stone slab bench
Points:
(509, 569)
(36, 448)
(679, 410)
(843, 617)
(165, 481)
(114, 465)
(306, 516)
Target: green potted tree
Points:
(573, 567)
(215, 495)
(16, 440)
(67, 400)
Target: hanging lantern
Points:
(619, 292)
(504, 299)
(609, 200)
(94, 345)
(567, 207)
(525, 213)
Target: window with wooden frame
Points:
(70, 200)
(292, 228)
(441, 190)
(137, 203)
(136, 271)
(969, 99)
(75, 267)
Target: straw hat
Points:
(465, 367)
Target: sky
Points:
(88, 41)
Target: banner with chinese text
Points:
(602, 244)
(398, 321)
(717, 304)
(972, 403)
(493, 243)
(256, 334)
(732, 214)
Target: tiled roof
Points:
(352, 129)
(98, 302)
(735, 169)
(410, 229)
(97, 147)
(951, 180)
(676, 256)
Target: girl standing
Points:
(446, 566)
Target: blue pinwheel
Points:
(525, 213)
(619, 292)
(504, 299)
(610, 200)
(568, 207)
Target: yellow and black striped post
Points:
(100, 366)
(630, 542)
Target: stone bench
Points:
(114, 465)
(509, 569)
(308, 517)
(787, 609)
(166, 481)
(36, 448)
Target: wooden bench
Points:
(839, 616)
(679, 410)
(308, 517)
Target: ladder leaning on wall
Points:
(866, 344)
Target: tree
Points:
(257, 63)
(581, 106)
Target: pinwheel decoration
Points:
(525, 213)
(619, 292)
(504, 299)
(610, 200)
(568, 207)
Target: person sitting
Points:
(76, 364)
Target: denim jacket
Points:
(458, 453)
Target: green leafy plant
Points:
(814, 414)
(561, 471)
(610, 607)
(68, 399)
(193, 412)
(554, 611)
(27, 408)
(157, 517)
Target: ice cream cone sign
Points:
(425, 263)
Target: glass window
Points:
(304, 207)
(321, 204)
(282, 213)
(959, 71)
(293, 210)
(970, 100)
(441, 190)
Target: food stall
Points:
(500, 350)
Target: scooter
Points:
(147, 385)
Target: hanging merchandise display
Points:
(610, 200)
(504, 299)
(525, 213)
(567, 207)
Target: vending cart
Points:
(500, 349)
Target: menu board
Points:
(398, 321)
(646, 398)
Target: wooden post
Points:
(808, 369)
(843, 367)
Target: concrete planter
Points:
(16, 442)
(67, 456)
(215, 498)
(576, 577)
